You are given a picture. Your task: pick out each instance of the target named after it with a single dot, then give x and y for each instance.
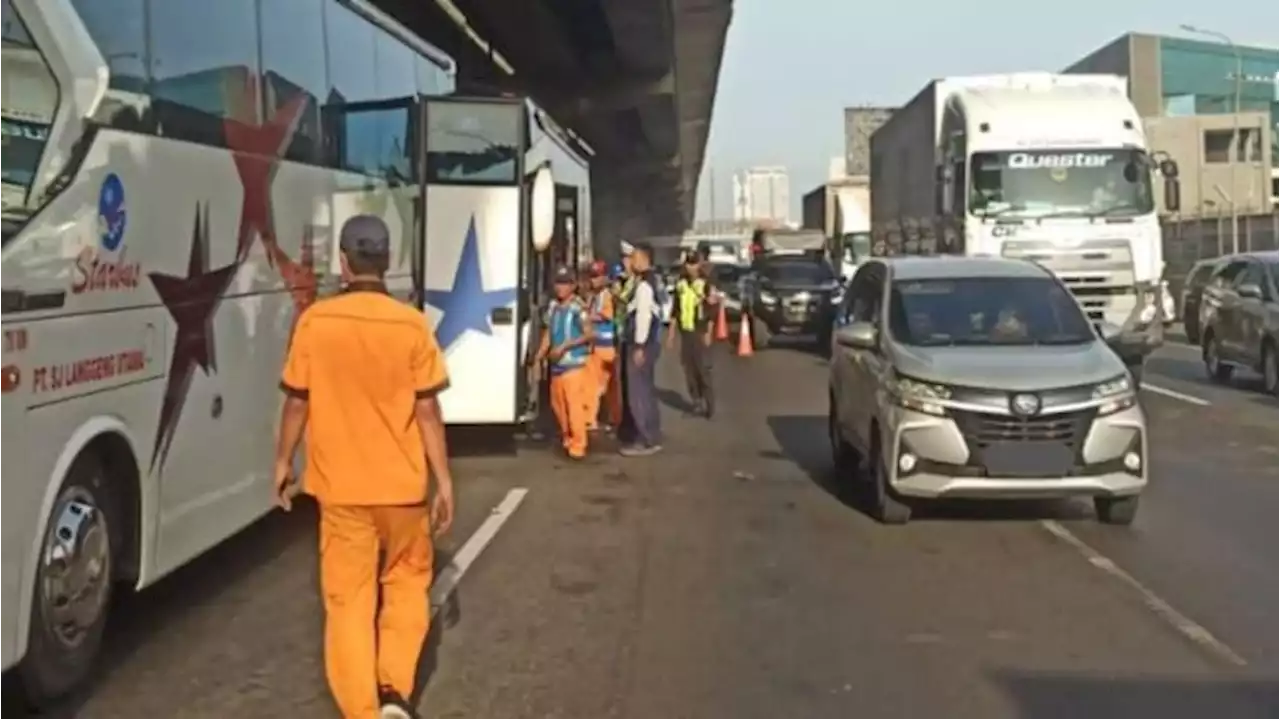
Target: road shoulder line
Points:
(1174, 394)
(1180, 622)
(451, 575)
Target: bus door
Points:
(473, 259)
(381, 170)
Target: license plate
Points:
(1028, 459)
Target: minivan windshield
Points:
(986, 311)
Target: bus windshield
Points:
(1060, 183)
(28, 99)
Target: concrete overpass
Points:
(636, 78)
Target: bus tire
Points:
(74, 577)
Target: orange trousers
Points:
(608, 390)
(570, 393)
(362, 549)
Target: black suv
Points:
(792, 295)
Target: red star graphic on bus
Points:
(299, 276)
(191, 300)
(256, 150)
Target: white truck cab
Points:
(1050, 168)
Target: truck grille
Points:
(1098, 272)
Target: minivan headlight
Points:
(1116, 394)
(921, 396)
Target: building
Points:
(859, 123)
(1183, 78)
(762, 195)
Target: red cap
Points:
(599, 268)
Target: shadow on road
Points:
(1072, 696)
(1191, 371)
(803, 440)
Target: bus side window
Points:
(293, 67)
(204, 67)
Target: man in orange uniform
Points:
(362, 378)
(603, 350)
(566, 346)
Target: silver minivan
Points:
(955, 377)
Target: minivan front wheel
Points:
(1270, 375)
(1116, 510)
(1217, 370)
(886, 506)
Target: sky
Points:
(791, 67)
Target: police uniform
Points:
(693, 322)
(643, 332)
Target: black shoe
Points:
(394, 706)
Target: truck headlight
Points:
(1117, 393)
(921, 396)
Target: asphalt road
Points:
(727, 577)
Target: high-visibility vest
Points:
(602, 317)
(566, 321)
(690, 299)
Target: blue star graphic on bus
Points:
(467, 305)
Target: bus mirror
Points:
(542, 209)
(1172, 193)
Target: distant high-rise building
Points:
(762, 195)
(859, 123)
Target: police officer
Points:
(694, 322)
(642, 345)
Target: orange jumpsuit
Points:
(363, 359)
(601, 363)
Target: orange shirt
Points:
(361, 359)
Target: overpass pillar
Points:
(617, 213)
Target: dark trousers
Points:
(642, 395)
(695, 359)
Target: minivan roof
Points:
(954, 267)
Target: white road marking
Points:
(448, 579)
(1189, 399)
(1184, 625)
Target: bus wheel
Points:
(73, 586)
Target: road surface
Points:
(729, 578)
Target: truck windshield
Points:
(979, 311)
(1061, 183)
(28, 99)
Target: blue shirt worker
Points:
(566, 347)
(643, 345)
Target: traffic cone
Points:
(722, 324)
(745, 348)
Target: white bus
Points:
(175, 172)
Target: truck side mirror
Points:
(1172, 194)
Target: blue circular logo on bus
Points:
(111, 212)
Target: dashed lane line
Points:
(448, 579)
(1189, 399)
(1183, 624)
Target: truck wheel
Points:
(73, 586)
(1116, 510)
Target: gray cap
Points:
(365, 235)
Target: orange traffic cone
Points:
(722, 323)
(745, 347)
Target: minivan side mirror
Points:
(859, 336)
(1249, 291)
